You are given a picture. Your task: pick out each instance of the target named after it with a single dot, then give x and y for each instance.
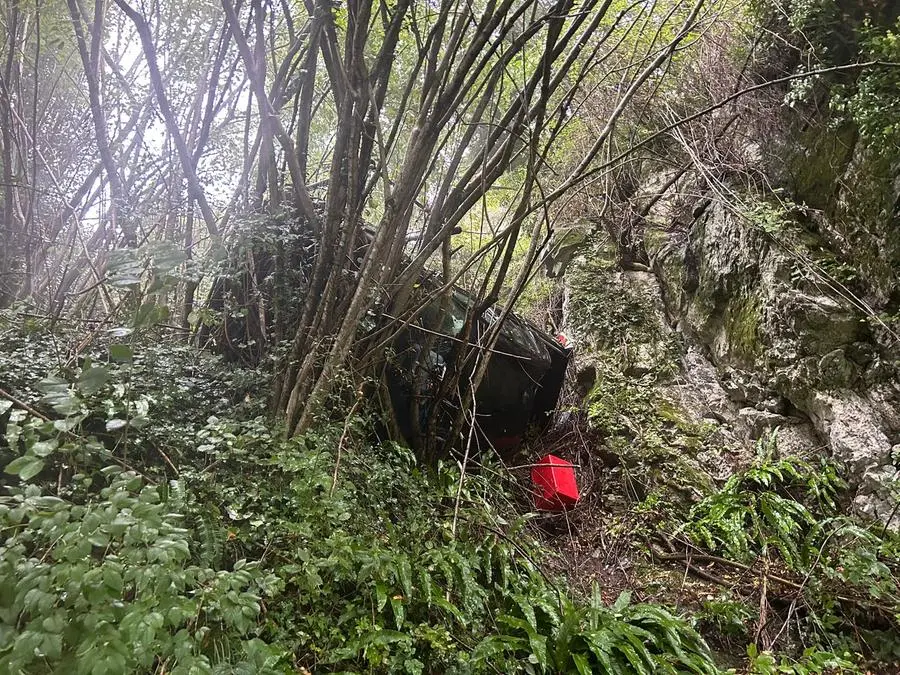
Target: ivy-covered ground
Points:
(153, 520)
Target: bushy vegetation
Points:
(153, 521)
(827, 581)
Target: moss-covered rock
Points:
(621, 314)
(766, 291)
(660, 448)
(742, 326)
(796, 289)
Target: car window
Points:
(451, 320)
(516, 332)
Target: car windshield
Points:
(515, 336)
(453, 318)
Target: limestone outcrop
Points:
(798, 314)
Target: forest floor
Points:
(605, 540)
(151, 472)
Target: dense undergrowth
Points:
(821, 581)
(152, 521)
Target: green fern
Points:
(211, 537)
(775, 504)
(621, 639)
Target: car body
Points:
(520, 388)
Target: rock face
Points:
(655, 390)
(789, 310)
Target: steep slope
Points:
(766, 244)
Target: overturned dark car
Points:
(427, 360)
(518, 393)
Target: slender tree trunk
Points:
(195, 189)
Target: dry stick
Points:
(687, 570)
(24, 406)
(890, 518)
(168, 461)
(337, 461)
(680, 557)
(688, 559)
(804, 582)
(760, 637)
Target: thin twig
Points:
(168, 461)
(680, 557)
(760, 637)
(337, 461)
(462, 466)
(24, 406)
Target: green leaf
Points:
(581, 664)
(404, 571)
(26, 467)
(538, 644)
(139, 422)
(124, 268)
(493, 645)
(99, 539)
(621, 602)
(120, 353)
(93, 379)
(55, 623)
(399, 611)
(113, 580)
(58, 395)
(68, 423)
(49, 503)
(380, 596)
(115, 423)
(44, 448)
(145, 314)
(386, 637)
(167, 257)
